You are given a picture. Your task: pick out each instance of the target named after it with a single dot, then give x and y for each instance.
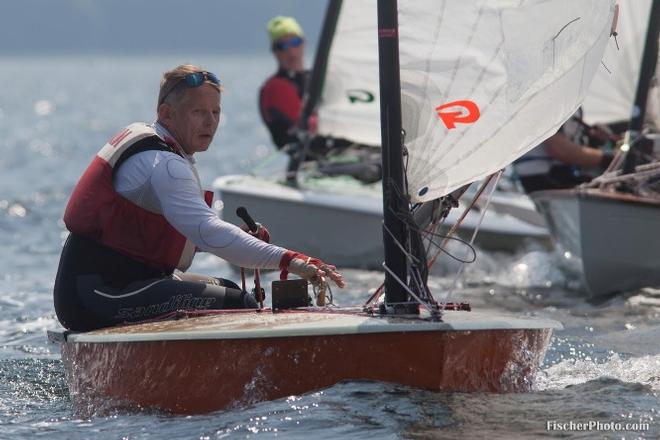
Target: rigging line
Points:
(408, 255)
(377, 294)
(635, 175)
(615, 165)
(432, 229)
(454, 228)
(459, 273)
(413, 268)
(428, 233)
(416, 277)
(447, 203)
(406, 288)
(452, 256)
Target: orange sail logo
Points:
(462, 112)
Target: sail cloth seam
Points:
(445, 96)
(435, 39)
(458, 62)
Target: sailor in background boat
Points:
(281, 104)
(564, 159)
(138, 213)
(280, 97)
(652, 115)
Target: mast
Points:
(392, 159)
(314, 85)
(646, 72)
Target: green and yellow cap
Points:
(280, 26)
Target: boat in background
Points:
(608, 226)
(208, 361)
(313, 216)
(308, 216)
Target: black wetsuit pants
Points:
(559, 177)
(98, 287)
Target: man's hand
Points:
(262, 233)
(311, 269)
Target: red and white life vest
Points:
(97, 211)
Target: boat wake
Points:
(640, 371)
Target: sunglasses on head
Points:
(284, 45)
(194, 79)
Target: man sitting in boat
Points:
(138, 213)
(280, 105)
(564, 159)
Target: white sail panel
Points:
(483, 82)
(612, 92)
(350, 104)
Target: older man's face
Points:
(194, 120)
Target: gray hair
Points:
(172, 86)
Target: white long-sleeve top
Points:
(168, 184)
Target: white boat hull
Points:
(345, 226)
(613, 235)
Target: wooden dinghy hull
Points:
(227, 360)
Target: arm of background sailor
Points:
(561, 148)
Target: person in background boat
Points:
(138, 213)
(565, 159)
(652, 118)
(280, 105)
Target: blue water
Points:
(55, 113)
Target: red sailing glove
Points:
(262, 233)
(309, 268)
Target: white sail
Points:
(612, 92)
(350, 105)
(483, 82)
